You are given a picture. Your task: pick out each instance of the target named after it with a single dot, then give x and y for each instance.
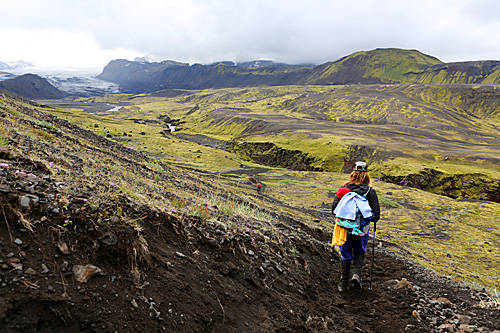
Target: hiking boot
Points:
(356, 281)
(357, 268)
(344, 276)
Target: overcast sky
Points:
(90, 33)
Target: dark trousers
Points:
(353, 245)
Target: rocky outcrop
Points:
(459, 186)
(269, 154)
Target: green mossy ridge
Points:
(384, 65)
(403, 67)
(458, 186)
(477, 72)
(493, 78)
(393, 64)
(271, 155)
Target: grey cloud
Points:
(312, 31)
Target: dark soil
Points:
(192, 283)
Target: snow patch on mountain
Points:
(83, 86)
(75, 81)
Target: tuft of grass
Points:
(200, 211)
(179, 202)
(46, 125)
(233, 207)
(384, 200)
(43, 134)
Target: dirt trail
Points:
(196, 284)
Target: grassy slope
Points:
(403, 66)
(472, 73)
(388, 65)
(400, 124)
(453, 237)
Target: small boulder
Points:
(446, 328)
(109, 238)
(24, 201)
(404, 284)
(83, 273)
(465, 329)
(63, 247)
(45, 269)
(463, 319)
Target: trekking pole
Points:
(373, 253)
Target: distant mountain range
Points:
(140, 77)
(379, 66)
(15, 65)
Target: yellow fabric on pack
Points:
(339, 235)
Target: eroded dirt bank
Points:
(198, 277)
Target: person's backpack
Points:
(354, 212)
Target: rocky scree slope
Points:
(85, 245)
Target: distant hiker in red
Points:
(355, 206)
(259, 186)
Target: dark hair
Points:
(358, 178)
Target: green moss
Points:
(453, 237)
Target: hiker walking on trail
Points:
(355, 206)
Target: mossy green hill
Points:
(377, 66)
(403, 66)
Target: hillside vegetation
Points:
(454, 132)
(377, 66)
(179, 239)
(444, 139)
